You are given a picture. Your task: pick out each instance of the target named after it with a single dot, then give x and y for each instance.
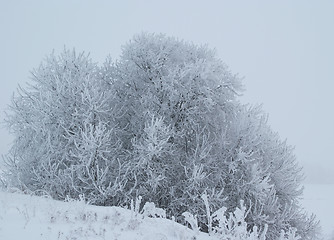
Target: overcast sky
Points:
(283, 49)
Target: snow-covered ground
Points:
(318, 198)
(29, 217)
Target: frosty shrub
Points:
(66, 139)
(233, 225)
(163, 122)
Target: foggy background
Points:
(283, 49)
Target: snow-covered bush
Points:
(228, 225)
(233, 225)
(3, 181)
(163, 122)
(66, 142)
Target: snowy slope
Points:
(29, 217)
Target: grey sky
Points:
(284, 49)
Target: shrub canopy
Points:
(162, 122)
